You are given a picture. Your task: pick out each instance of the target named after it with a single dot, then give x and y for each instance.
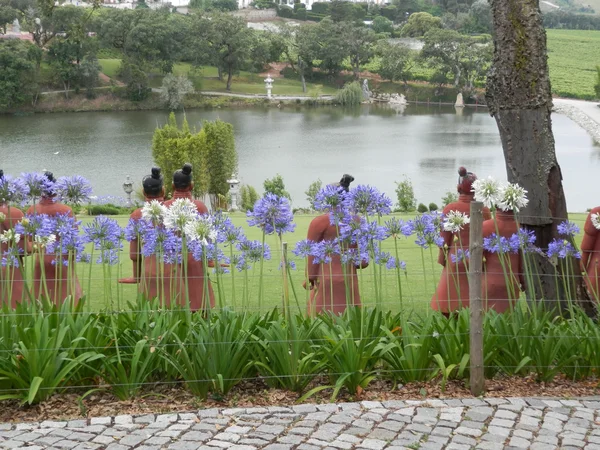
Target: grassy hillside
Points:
(573, 57)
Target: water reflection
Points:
(376, 144)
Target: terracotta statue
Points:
(11, 277)
(590, 253)
(503, 273)
(145, 270)
(60, 282)
(196, 273)
(334, 278)
(453, 288)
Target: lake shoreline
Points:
(57, 103)
(582, 114)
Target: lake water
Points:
(377, 145)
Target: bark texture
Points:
(519, 97)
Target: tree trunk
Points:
(229, 77)
(519, 98)
(301, 68)
(219, 73)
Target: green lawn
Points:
(418, 285)
(206, 78)
(573, 56)
(110, 67)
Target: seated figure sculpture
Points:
(51, 278)
(145, 270)
(11, 274)
(453, 288)
(503, 270)
(590, 253)
(331, 284)
(194, 286)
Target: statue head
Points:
(465, 181)
(345, 182)
(182, 178)
(153, 183)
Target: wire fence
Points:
(261, 327)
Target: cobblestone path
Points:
(493, 423)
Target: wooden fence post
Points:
(475, 275)
(286, 290)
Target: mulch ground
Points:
(160, 399)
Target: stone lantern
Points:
(233, 190)
(269, 85)
(128, 188)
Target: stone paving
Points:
(493, 423)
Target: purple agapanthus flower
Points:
(370, 232)
(562, 248)
(291, 265)
(323, 251)
(568, 229)
(367, 200)
(10, 256)
(382, 258)
(68, 240)
(253, 251)
(495, 244)
(303, 248)
(226, 231)
(158, 240)
(106, 235)
(135, 228)
(394, 263)
(355, 256)
(523, 240)
(35, 225)
(396, 227)
(460, 256)
(330, 198)
(273, 214)
(427, 230)
(240, 262)
(74, 189)
(13, 190)
(38, 185)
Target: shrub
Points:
(382, 25)
(450, 197)
(422, 208)
(433, 207)
(276, 186)
(174, 89)
(406, 195)
(320, 7)
(597, 86)
(249, 197)
(301, 14)
(312, 191)
(136, 80)
(350, 95)
(285, 11)
(104, 210)
(314, 17)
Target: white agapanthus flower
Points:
(9, 236)
(44, 241)
(200, 229)
(513, 198)
(596, 220)
(180, 213)
(154, 211)
(487, 191)
(455, 221)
